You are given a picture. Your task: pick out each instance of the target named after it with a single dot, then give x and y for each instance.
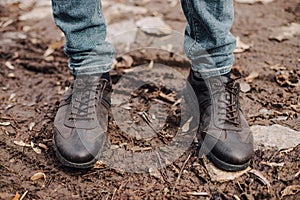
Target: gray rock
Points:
(275, 136)
(154, 26)
(285, 32)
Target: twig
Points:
(180, 173)
(163, 171)
(22, 197)
(114, 193)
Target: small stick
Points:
(22, 197)
(180, 173)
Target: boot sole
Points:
(219, 163)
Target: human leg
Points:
(208, 41)
(223, 131)
(81, 120)
(85, 30)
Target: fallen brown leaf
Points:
(290, 190)
(253, 75)
(37, 176)
(17, 196)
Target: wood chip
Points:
(198, 193)
(37, 176)
(168, 98)
(21, 143)
(273, 164)
(9, 65)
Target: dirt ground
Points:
(31, 88)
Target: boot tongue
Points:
(83, 110)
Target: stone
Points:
(274, 136)
(154, 26)
(285, 32)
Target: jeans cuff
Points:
(208, 73)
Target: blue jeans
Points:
(208, 42)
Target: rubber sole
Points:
(67, 163)
(219, 163)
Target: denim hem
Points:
(211, 72)
(88, 70)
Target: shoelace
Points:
(231, 103)
(83, 109)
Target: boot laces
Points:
(230, 104)
(84, 99)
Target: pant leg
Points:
(84, 27)
(209, 43)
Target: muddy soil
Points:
(32, 88)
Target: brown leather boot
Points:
(81, 121)
(224, 132)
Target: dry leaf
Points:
(278, 67)
(9, 65)
(37, 150)
(296, 108)
(218, 175)
(284, 78)
(99, 165)
(124, 61)
(21, 143)
(150, 66)
(186, 127)
(52, 48)
(261, 177)
(17, 196)
(4, 123)
(168, 98)
(43, 146)
(273, 164)
(31, 125)
(253, 75)
(155, 173)
(241, 46)
(37, 176)
(290, 190)
(11, 75)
